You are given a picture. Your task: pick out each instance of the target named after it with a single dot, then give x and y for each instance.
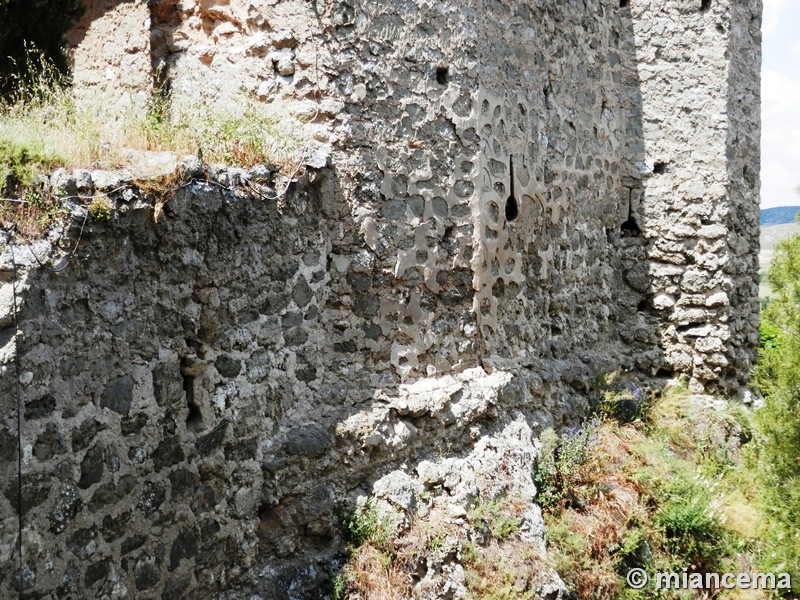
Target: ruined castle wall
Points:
(521, 195)
(610, 114)
(196, 420)
(553, 157)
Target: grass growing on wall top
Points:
(43, 126)
(42, 122)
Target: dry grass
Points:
(43, 126)
(77, 135)
(373, 575)
(644, 480)
(506, 570)
(497, 564)
(585, 539)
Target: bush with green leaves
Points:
(561, 458)
(366, 524)
(689, 519)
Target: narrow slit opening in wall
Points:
(705, 5)
(659, 168)
(195, 418)
(442, 75)
(512, 206)
(624, 3)
(630, 228)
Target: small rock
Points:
(308, 440)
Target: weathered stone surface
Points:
(227, 366)
(41, 407)
(92, 466)
(169, 452)
(309, 440)
(168, 384)
(67, 505)
(184, 546)
(118, 395)
(50, 443)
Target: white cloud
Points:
(773, 13)
(779, 94)
(780, 138)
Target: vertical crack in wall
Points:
(18, 393)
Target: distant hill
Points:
(778, 215)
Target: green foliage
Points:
(778, 376)
(498, 515)
(558, 469)
(367, 525)
(19, 164)
(340, 586)
(643, 498)
(100, 209)
(688, 518)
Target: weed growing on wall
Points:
(391, 562)
(366, 524)
(100, 209)
(562, 462)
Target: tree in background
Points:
(779, 420)
(39, 24)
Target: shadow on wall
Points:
(98, 58)
(639, 323)
(30, 24)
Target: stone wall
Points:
(109, 54)
(199, 411)
(521, 196)
(611, 113)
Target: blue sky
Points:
(780, 104)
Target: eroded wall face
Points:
(554, 152)
(156, 374)
(634, 184)
(197, 415)
(446, 101)
(110, 55)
